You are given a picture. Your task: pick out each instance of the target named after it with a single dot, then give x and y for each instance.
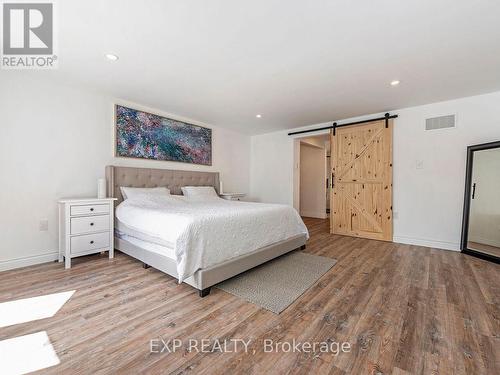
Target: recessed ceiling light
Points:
(395, 83)
(111, 57)
(258, 116)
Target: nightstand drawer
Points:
(89, 209)
(89, 242)
(89, 224)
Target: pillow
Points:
(199, 191)
(131, 192)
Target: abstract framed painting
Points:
(145, 135)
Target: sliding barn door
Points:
(361, 167)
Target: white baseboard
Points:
(427, 243)
(27, 261)
(315, 214)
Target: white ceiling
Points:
(295, 62)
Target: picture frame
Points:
(144, 135)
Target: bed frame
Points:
(203, 279)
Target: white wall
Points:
(55, 142)
(484, 220)
(428, 201)
(312, 180)
(272, 168)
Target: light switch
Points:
(419, 164)
(43, 226)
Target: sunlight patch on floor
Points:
(34, 308)
(24, 354)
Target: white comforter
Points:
(210, 231)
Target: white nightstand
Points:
(232, 196)
(85, 227)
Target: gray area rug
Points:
(276, 284)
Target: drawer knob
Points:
(91, 224)
(91, 242)
(91, 209)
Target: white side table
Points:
(86, 226)
(233, 196)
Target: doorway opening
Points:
(312, 188)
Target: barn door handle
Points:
(473, 190)
(333, 180)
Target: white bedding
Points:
(209, 231)
(122, 229)
(148, 245)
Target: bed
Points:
(199, 242)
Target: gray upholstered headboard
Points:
(148, 177)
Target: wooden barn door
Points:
(361, 167)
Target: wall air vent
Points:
(441, 122)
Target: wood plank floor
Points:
(404, 310)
